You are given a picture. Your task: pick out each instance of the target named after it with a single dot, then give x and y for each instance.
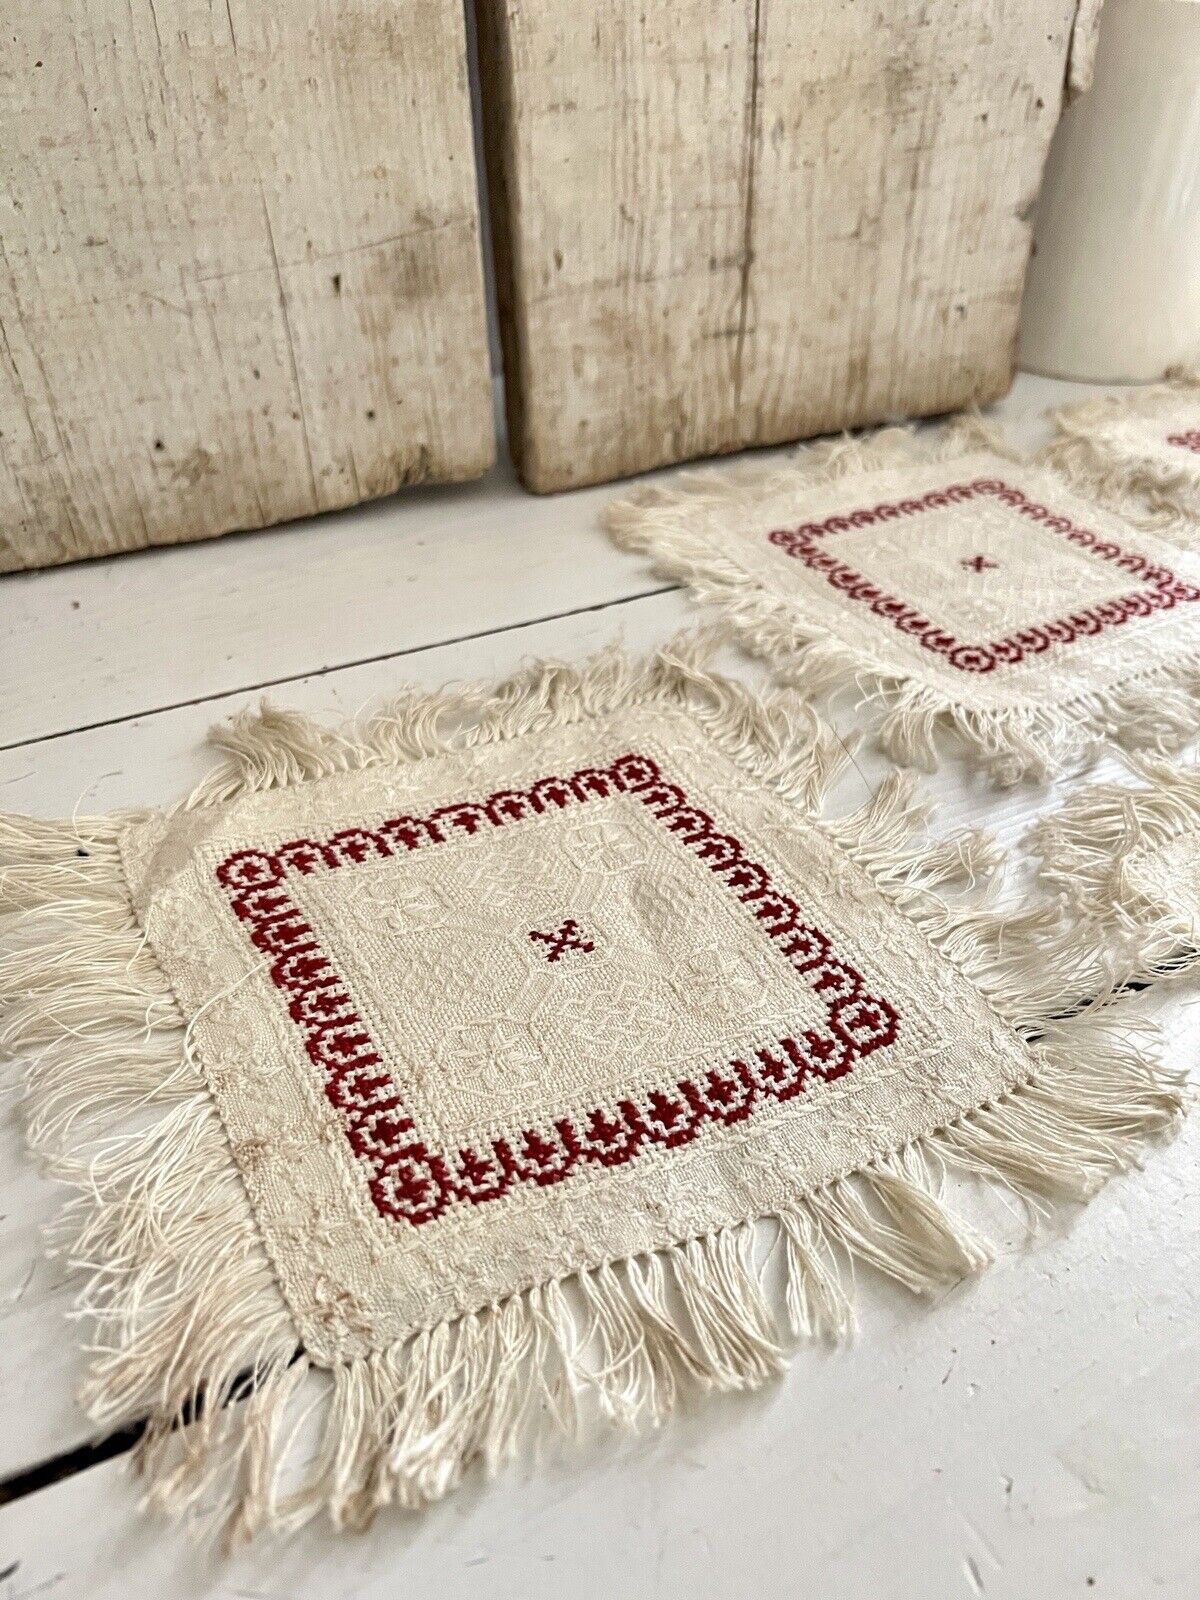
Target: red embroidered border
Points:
(1165, 589)
(1188, 441)
(410, 1182)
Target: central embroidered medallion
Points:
(568, 937)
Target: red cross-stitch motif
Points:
(1162, 588)
(979, 563)
(568, 937)
(411, 1182)
(1187, 441)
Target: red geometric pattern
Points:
(1189, 440)
(568, 937)
(413, 1183)
(1163, 589)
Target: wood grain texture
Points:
(239, 266)
(732, 222)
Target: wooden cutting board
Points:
(734, 222)
(239, 266)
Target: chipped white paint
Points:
(239, 266)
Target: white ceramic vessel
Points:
(1113, 292)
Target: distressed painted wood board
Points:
(724, 223)
(240, 277)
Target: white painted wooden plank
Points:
(111, 639)
(1034, 1433)
(153, 760)
(90, 643)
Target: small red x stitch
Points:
(1187, 441)
(979, 563)
(568, 937)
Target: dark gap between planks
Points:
(340, 666)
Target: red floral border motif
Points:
(1187, 441)
(1163, 590)
(412, 1183)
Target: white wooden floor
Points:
(1033, 1435)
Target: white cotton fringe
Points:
(190, 1331)
(1154, 711)
(1151, 492)
(1094, 852)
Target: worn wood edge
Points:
(1081, 54)
(542, 480)
(468, 474)
(496, 106)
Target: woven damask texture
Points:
(426, 1078)
(1125, 860)
(959, 590)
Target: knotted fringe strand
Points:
(1094, 851)
(1152, 711)
(1151, 492)
(188, 1328)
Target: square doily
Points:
(1139, 449)
(969, 591)
(427, 1078)
(492, 1017)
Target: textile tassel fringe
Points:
(189, 1330)
(1159, 492)
(1153, 711)
(1095, 853)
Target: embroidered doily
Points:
(458, 1051)
(960, 589)
(1140, 450)
(1126, 861)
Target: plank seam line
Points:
(341, 666)
(53, 1469)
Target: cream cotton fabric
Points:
(425, 1077)
(1125, 859)
(959, 590)
(484, 1036)
(1139, 450)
